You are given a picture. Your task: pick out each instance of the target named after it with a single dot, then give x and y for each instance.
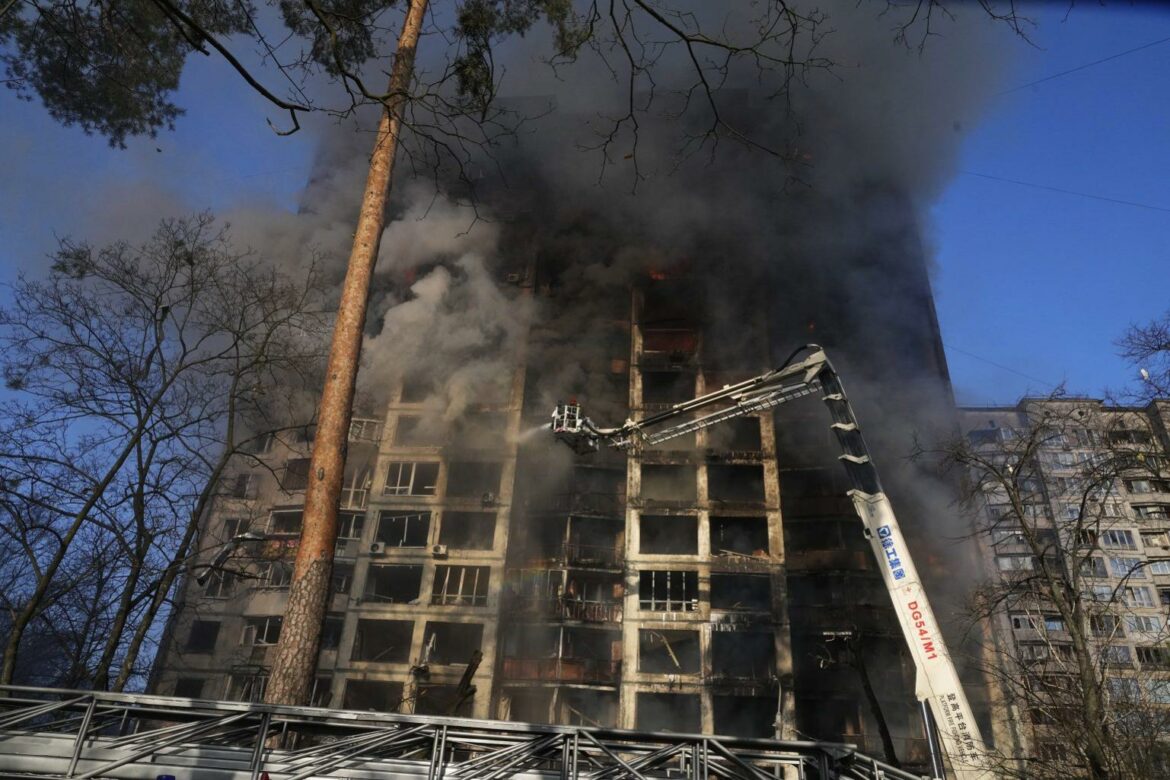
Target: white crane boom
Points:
(937, 681)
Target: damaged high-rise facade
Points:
(717, 583)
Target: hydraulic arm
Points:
(937, 681)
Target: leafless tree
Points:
(1069, 586)
(138, 375)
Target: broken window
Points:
(738, 435)
(667, 387)
(668, 591)
(451, 643)
(394, 584)
(296, 474)
(242, 486)
(435, 699)
(262, 630)
(597, 490)
(276, 574)
(418, 431)
(669, 534)
(474, 479)
(468, 530)
(202, 637)
(285, 523)
(407, 478)
(739, 536)
(383, 641)
(748, 655)
(595, 541)
(365, 429)
(234, 526)
(342, 577)
(372, 695)
(745, 716)
(349, 525)
(735, 484)
(675, 484)
(668, 652)
(247, 687)
(404, 529)
(189, 687)
(465, 586)
(669, 712)
(741, 592)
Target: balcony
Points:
(567, 609)
(564, 670)
(592, 555)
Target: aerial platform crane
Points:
(937, 683)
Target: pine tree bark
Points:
(295, 661)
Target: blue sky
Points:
(1032, 285)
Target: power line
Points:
(1068, 192)
(1083, 67)
(1001, 366)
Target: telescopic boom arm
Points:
(937, 681)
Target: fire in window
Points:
(411, 479)
(465, 586)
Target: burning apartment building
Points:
(717, 583)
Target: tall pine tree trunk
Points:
(295, 661)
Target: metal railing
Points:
(81, 735)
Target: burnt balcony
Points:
(604, 504)
(561, 608)
(564, 670)
(592, 555)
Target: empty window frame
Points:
(342, 577)
(438, 699)
(372, 695)
(296, 474)
(383, 641)
(668, 652)
(331, 632)
(350, 524)
(247, 686)
(242, 485)
(189, 687)
(747, 655)
(735, 484)
(411, 478)
(468, 530)
(260, 631)
(234, 526)
(464, 586)
(669, 712)
(669, 534)
(201, 639)
(277, 574)
(738, 435)
(393, 584)
(741, 592)
(473, 479)
(739, 536)
(404, 529)
(668, 591)
(667, 387)
(745, 716)
(451, 643)
(674, 484)
(220, 584)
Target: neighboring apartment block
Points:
(1092, 497)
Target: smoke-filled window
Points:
(739, 536)
(451, 643)
(668, 591)
(417, 431)
(393, 584)
(404, 529)
(372, 695)
(741, 592)
(473, 479)
(668, 652)
(669, 484)
(669, 712)
(597, 541)
(480, 431)
(667, 387)
(411, 479)
(668, 535)
(743, 655)
(468, 530)
(383, 641)
(735, 484)
(463, 586)
(739, 435)
(745, 716)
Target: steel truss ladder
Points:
(47, 733)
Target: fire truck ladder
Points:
(83, 734)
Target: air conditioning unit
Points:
(378, 548)
(439, 550)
